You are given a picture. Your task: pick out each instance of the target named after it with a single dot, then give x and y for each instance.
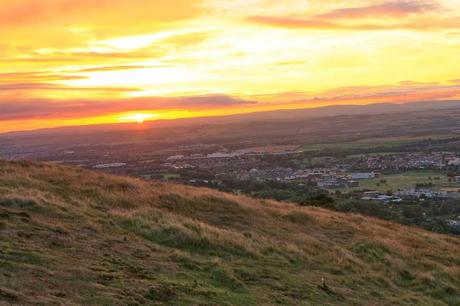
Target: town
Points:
(407, 178)
(329, 173)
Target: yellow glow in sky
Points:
(66, 62)
(138, 117)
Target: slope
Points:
(70, 236)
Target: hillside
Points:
(70, 236)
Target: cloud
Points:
(30, 25)
(407, 91)
(115, 68)
(259, 7)
(48, 108)
(107, 56)
(50, 86)
(403, 92)
(17, 77)
(386, 9)
(114, 13)
(390, 15)
(289, 22)
(83, 58)
(427, 24)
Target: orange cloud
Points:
(113, 68)
(112, 13)
(15, 77)
(406, 92)
(393, 15)
(386, 9)
(51, 86)
(427, 24)
(81, 108)
(49, 108)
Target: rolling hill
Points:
(74, 237)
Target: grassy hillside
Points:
(70, 236)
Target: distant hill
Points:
(291, 127)
(283, 114)
(70, 236)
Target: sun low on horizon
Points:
(66, 62)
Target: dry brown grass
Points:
(70, 236)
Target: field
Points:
(381, 142)
(268, 149)
(163, 176)
(70, 236)
(406, 180)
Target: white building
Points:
(454, 162)
(112, 165)
(362, 176)
(175, 157)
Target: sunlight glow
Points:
(138, 117)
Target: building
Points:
(112, 165)
(363, 176)
(454, 162)
(422, 193)
(352, 184)
(175, 157)
(381, 198)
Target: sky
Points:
(67, 62)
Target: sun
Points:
(137, 117)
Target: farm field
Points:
(384, 142)
(406, 180)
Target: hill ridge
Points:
(76, 237)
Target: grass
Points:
(170, 176)
(406, 180)
(70, 236)
(383, 142)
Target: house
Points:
(457, 179)
(175, 157)
(112, 165)
(352, 184)
(454, 162)
(362, 176)
(382, 198)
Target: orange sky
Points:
(67, 62)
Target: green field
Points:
(385, 142)
(163, 176)
(406, 180)
(170, 176)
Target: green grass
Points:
(405, 180)
(383, 142)
(170, 176)
(182, 239)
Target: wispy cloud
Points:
(50, 86)
(428, 24)
(14, 77)
(385, 9)
(117, 13)
(405, 92)
(114, 68)
(391, 15)
(49, 108)
(408, 91)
